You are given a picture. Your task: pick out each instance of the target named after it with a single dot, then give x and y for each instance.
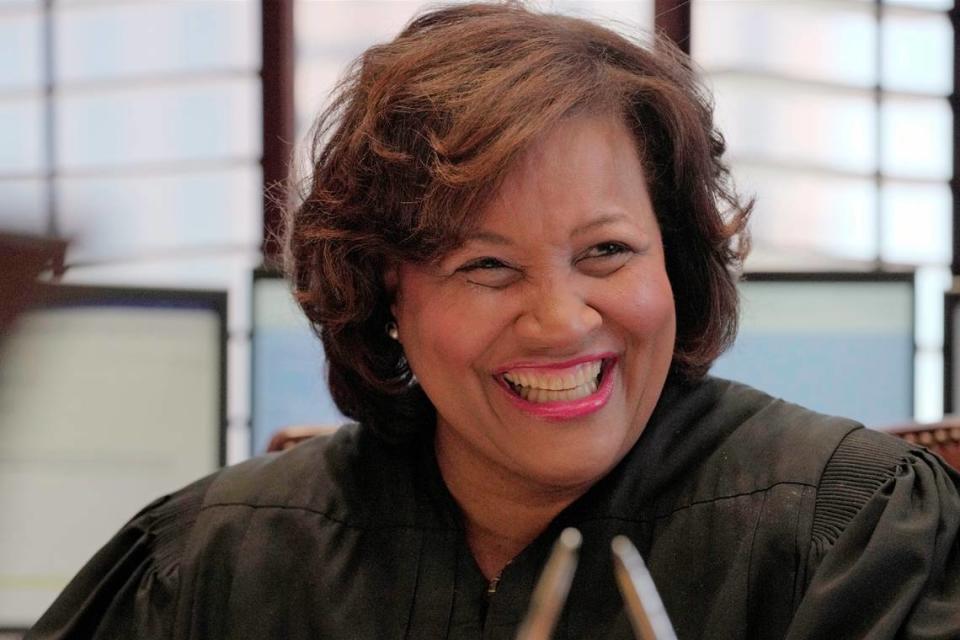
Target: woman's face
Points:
(545, 339)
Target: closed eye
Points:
(483, 263)
(606, 249)
(604, 258)
(489, 272)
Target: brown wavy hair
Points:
(420, 133)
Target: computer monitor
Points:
(837, 343)
(289, 365)
(109, 399)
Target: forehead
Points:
(585, 167)
(596, 137)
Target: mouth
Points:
(560, 392)
(542, 386)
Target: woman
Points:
(518, 247)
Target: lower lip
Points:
(567, 409)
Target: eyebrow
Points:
(497, 239)
(600, 221)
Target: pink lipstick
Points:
(563, 409)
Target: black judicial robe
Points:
(757, 518)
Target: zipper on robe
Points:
(492, 585)
(487, 597)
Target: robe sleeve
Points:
(129, 589)
(884, 558)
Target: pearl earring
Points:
(392, 330)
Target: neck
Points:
(502, 512)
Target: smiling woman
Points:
(519, 244)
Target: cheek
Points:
(445, 337)
(645, 308)
(445, 333)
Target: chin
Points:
(581, 467)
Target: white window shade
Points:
(811, 213)
(916, 223)
(825, 41)
(807, 125)
(130, 40)
(917, 52)
(917, 138)
(21, 50)
(204, 120)
(22, 131)
(24, 205)
(126, 216)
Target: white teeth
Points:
(533, 394)
(568, 379)
(573, 384)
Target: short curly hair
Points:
(418, 137)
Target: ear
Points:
(391, 284)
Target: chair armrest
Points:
(942, 437)
(290, 436)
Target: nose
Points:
(556, 314)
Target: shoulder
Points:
(351, 477)
(759, 441)
(886, 537)
(775, 441)
(711, 440)
(863, 463)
